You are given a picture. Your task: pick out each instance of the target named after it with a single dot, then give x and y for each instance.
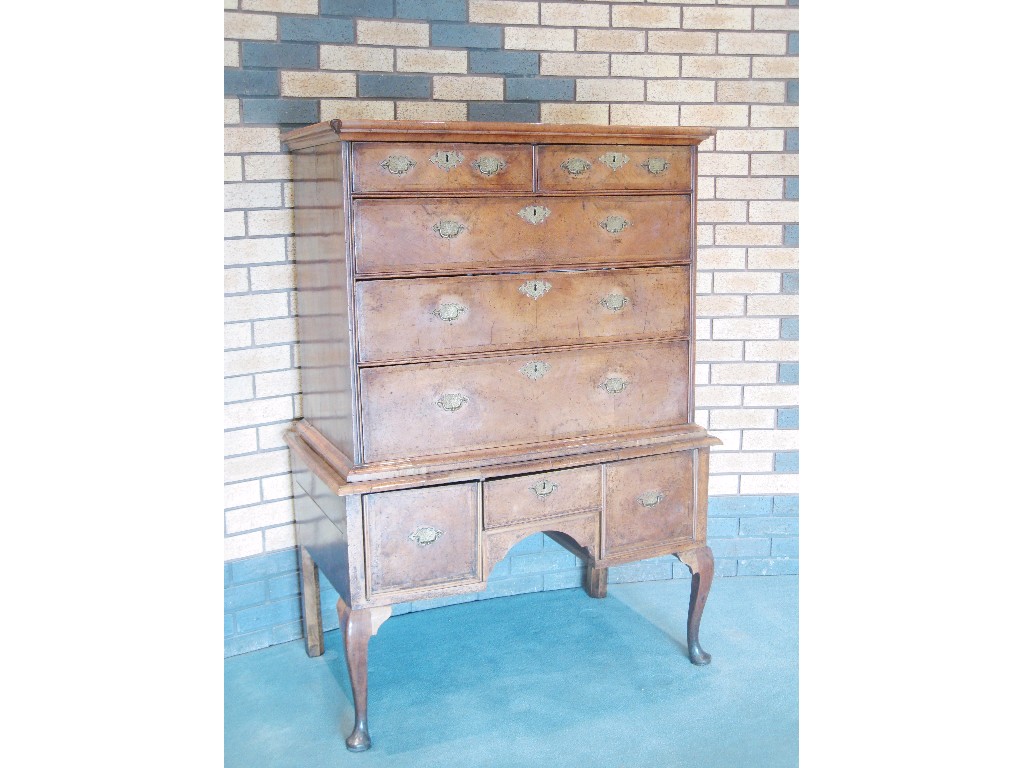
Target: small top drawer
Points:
(441, 167)
(595, 167)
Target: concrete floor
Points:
(546, 679)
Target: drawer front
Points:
(421, 537)
(438, 236)
(428, 317)
(649, 502)
(612, 168)
(441, 168)
(535, 497)
(427, 409)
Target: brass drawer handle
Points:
(397, 165)
(544, 488)
(535, 288)
(426, 534)
(489, 166)
(535, 369)
(613, 385)
(614, 224)
(614, 302)
(575, 166)
(650, 498)
(449, 312)
(534, 214)
(446, 159)
(451, 401)
(449, 229)
(614, 160)
(655, 165)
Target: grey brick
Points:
(239, 82)
(724, 567)
(779, 566)
(563, 579)
(792, 188)
(540, 88)
(723, 527)
(283, 633)
(787, 505)
(244, 596)
(793, 43)
(280, 55)
(792, 140)
(465, 36)
(432, 10)
(286, 585)
(266, 616)
(732, 506)
(504, 62)
(227, 574)
(793, 92)
(280, 111)
(251, 641)
(369, 9)
(395, 86)
(645, 570)
(791, 234)
(789, 373)
(786, 547)
(316, 30)
(791, 282)
(516, 585)
(790, 328)
(740, 547)
(534, 543)
(793, 2)
(770, 526)
(497, 111)
(261, 566)
(229, 625)
(789, 418)
(542, 562)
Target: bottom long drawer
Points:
(447, 407)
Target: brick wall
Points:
(730, 65)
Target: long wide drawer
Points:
(428, 317)
(437, 408)
(495, 234)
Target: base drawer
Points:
(650, 502)
(539, 496)
(421, 537)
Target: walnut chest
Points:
(496, 338)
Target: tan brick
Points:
(700, 417)
(735, 373)
(706, 396)
(714, 66)
(306, 7)
(258, 516)
(574, 64)
(502, 12)
(232, 111)
(591, 114)
(256, 465)
(645, 17)
(713, 115)
(748, 234)
(780, 67)
(742, 418)
(723, 485)
(257, 360)
(702, 373)
(266, 167)
(775, 117)
(356, 57)
(431, 110)
(687, 91)
(774, 440)
(748, 189)
(644, 114)
(777, 18)
(741, 462)
(574, 15)
(644, 65)
(246, 545)
(234, 224)
(272, 435)
(356, 109)
(253, 412)
(279, 222)
(705, 234)
(264, 195)
(720, 306)
(682, 42)
(281, 537)
(768, 92)
(720, 258)
(609, 89)
(730, 441)
(778, 210)
(288, 188)
(435, 61)
(240, 494)
(770, 484)
(750, 141)
(238, 388)
(318, 84)
(702, 328)
(392, 33)
(230, 5)
(744, 328)
(746, 282)
(716, 18)
(773, 258)
(773, 306)
(716, 211)
(787, 164)
(722, 164)
(239, 140)
(752, 42)
(751, 2)
(255, 306)
(277, 383)
(468, 88)
(719, 350)
(254, 250)
(780, 350)
(231, 54)
(250, 26)
(704, 282)
(705, 187)
(539, 39)
(276, 277)
(237, 335)
(281, 331)
(609, 40)
(279, 487)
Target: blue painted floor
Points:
(545, 679)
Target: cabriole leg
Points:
(702, 567)
(312, 622)
(595, 581)
(357, 627)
